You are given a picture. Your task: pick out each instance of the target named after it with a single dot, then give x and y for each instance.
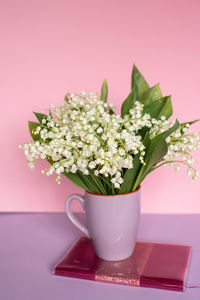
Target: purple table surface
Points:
(31, 244)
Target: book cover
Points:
(152, 264)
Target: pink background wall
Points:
(50, 47)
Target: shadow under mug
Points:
(112, 222)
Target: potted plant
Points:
(109, 155)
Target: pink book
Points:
(156, 265)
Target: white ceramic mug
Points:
(112, 222)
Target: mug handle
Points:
(70, 215)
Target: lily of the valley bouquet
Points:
(107, 153)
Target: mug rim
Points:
(116, 194)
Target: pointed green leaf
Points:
(128, 103)
(127, 185)
(131, 174)
(157, 147)
(167, 109)
(107, 184)
(32, 128)
(87, 182)
(92, 186)
(152, 94)
(111, 111)
(190, 122)
(66, 98)
(96, 183)
(50, 113)
(158, 108)
(138, 83)
(104, 91)
(76, 179)
(40, 116)
(156, 150)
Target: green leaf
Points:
(158, 108)
(190, 122)
(138, 83)
(66, 98)
(129, 177)
(128, 103)
(96, 184)
(89, 183)
(167, 109)
(111, 111)
(156, 150)
(40, 116)
(76, 179)
(104, 91)
(32, 128)
(83, 181)
(152, 94)
(131, 174)
(158, 146)
(50, 113)
(107, 184)
(182, 125)
(92, 187)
